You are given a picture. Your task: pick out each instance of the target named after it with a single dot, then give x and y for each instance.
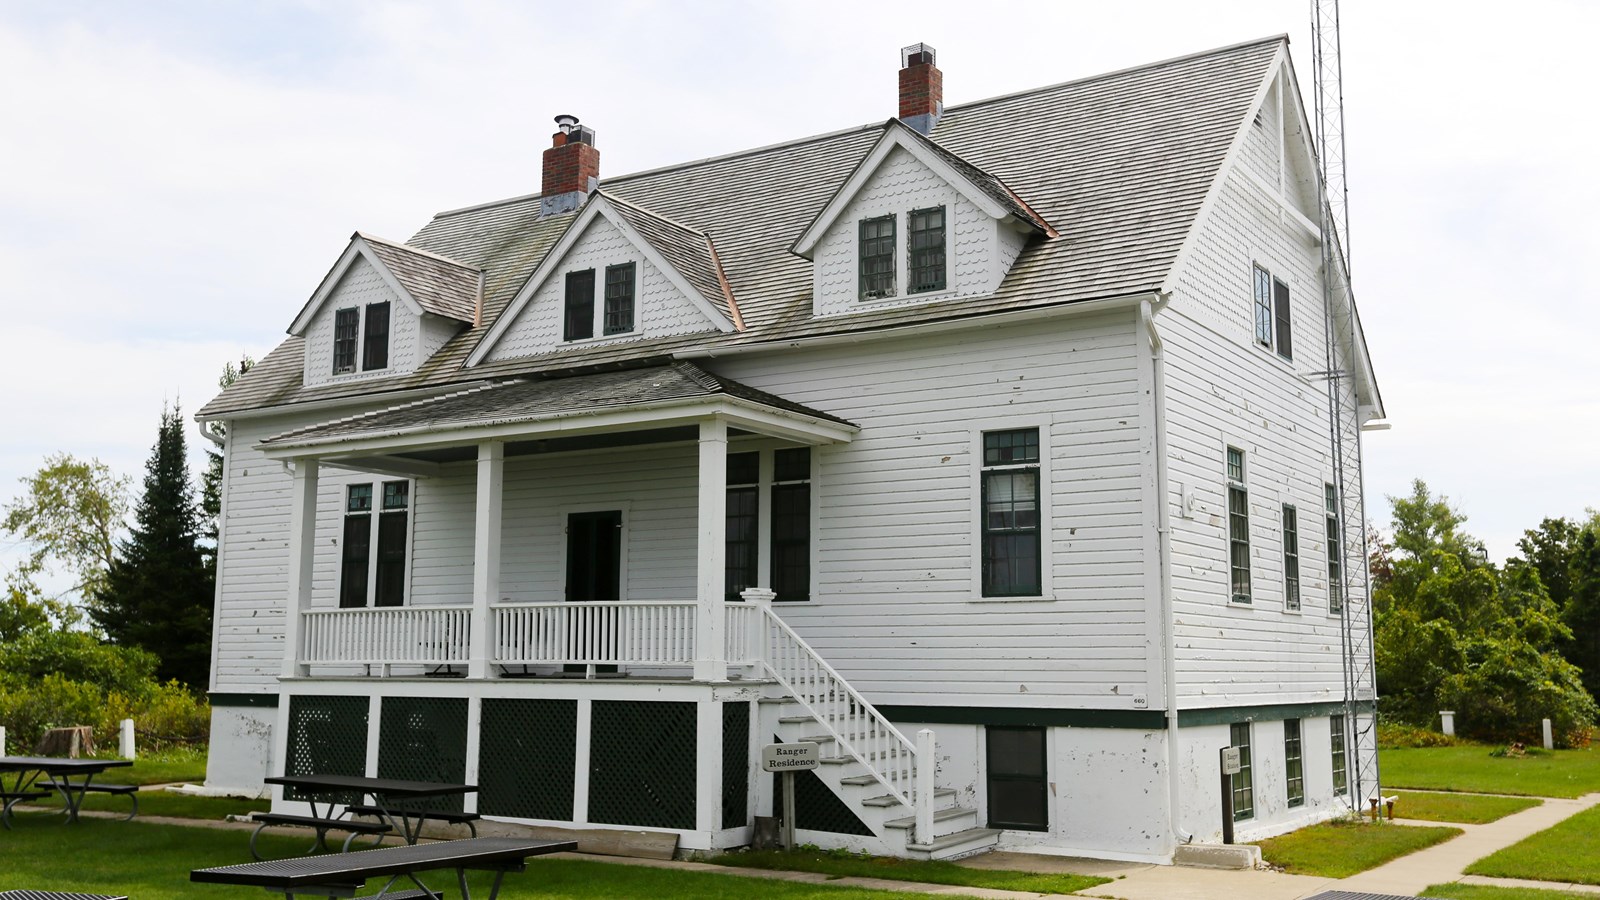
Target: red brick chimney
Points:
(571, 167)
(921, 88)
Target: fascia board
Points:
(358, 247)
(892, 138)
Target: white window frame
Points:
(361, 341)
(1274, 344)
(1246, 451)
(1046, 518)
(372, 539)
(625, 507)
(598, 323)
(902, 251)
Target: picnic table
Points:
(388, 798)
(343, 874)
(71, 778)
(57, 895)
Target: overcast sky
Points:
(175, 178)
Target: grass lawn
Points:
(1568, 851)
(1473, 809)
(167, 803)
(845, 865)
(1469, 767)
(152, 862)
(1454, 891)
(166, 767)
(1341, 849)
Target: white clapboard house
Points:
(989, 446)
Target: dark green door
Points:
(1018, 784)
(594, 561)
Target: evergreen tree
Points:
(158, 594)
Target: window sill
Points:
(600, 339)
(1241, 604)
(945, 294)
(1037, 598)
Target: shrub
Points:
(1394, 735)
(76, 656)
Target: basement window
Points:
(1293, 765)
(1341, 772)
(1244, 794)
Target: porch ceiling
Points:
(542, 414)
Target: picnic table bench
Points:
(439, 815)
(131, 791)
(341, 875)
(321, 824)
(57, 895)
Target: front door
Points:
(594, 561)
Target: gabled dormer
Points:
(618, 273)
(383, 309)
(913, 223)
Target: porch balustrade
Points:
(602, 633)
(422, 635)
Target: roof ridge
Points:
(699, 376)
(401, 245)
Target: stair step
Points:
(939, 815)
(957, 844)
(889, 800)
(795, 720)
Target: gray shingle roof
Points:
(485, 404)
(689, 251)
(443, 286)
(989, 184)
(1118, 164)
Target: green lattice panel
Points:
(818, 808)
(424, 739)
(327, 736)
(735, 765)
(642, 764)
(527, 754)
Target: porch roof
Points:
(533, 404)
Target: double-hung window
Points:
(791, 523)
(877, 251)
(1341, 772)
(1330, 502)
(372, 338)
(1293, 765)
(578, 322)
(346, 328)
(926, 246)
(1238, 528)
(1291, 559)
(375, 343)
(620, 280)
(743, 514)
(1263, 289)
(1010, 510)
(368, 578)
(1274, 328)
(1244, 795)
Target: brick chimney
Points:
(571, 167)
(921, 88)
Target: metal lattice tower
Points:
(1343, 342)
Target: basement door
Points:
(594, 562)
(1019, 793)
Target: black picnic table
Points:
(61, 770)
(57, 895)
(383, 791)
(341, 875)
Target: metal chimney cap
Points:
(917, 54)
(566, 123)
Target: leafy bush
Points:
(76, 656)
(1392, 735)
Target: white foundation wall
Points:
(1201, 789)
(242, 747)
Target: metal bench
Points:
(131, 791)
(57, 895)
(439, 815)
(12, 798)
(341, 875)
(322, 826)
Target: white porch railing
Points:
(598, 633)
(425, 635)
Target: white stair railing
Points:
(855, 725)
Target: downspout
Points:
(1169, 629)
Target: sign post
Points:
(1230, 766)
(788, 759)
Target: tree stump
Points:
(71, 742)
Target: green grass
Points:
(1472, 809)
(1341, 849)
(167, 767)
(849, 865)
(1457, 891)
(167, 803)
(152, 862)
(1469, 767)
(1568, 851)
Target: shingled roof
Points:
(1118, 164)
(441, 285)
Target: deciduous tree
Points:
(69, 515)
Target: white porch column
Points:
(302, 550)
(486, 553)
(710, 627)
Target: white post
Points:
(1447, 722)
(486, 553)
(302, 550)
(125, 744)
(926, 764)
(2, 740)
(1549, 737)
(710, 663)
(761, 599)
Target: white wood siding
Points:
(1224, 389)
(975, 257)
(362, 284)
(660, 309)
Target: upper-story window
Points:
(1330, 505)
(616, 314)
(1274, 328)
(578, 323)
(368, 578)
(348, 333)
(927, 250)
(1238, 528)
(620, 282)
(877, 257)
(1010, 509)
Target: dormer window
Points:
(619, 298)
(617, 311)
(579, 321)
(877, 257)
(347, 333)
(927, 250)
